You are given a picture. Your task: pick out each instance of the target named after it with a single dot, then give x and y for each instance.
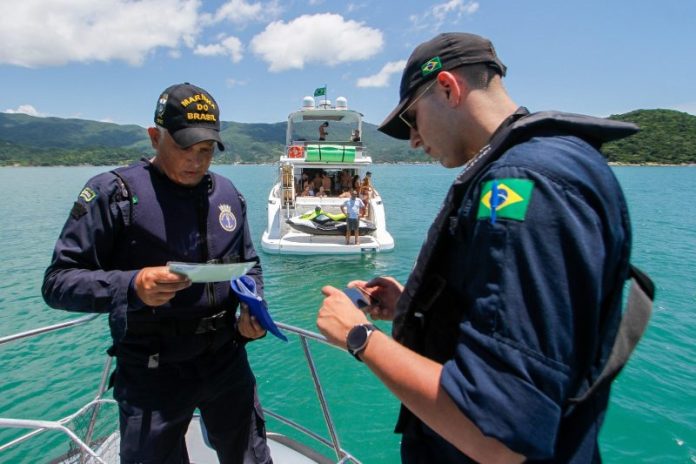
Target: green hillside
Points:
(31, 131)
(666, 136)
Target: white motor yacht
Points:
(323, 142)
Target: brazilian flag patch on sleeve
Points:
(505, 199)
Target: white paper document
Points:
(210, 272)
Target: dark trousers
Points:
(156, 406)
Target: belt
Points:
(170, 327)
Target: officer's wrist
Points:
(134, 301)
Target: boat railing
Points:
(85, 447)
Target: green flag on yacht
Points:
(321, 91)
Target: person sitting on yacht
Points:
(323, 132)
(356, 182)
(326, 182)
(308, 190)
(317, 180)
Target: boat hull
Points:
(299, 243)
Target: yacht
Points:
(323, 159)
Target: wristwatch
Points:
(358, 337)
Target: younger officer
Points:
(511, 310)
(178, 345)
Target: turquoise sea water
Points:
(652, 416)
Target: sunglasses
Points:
(410, 120)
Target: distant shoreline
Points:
(400, 163)
(648, 164)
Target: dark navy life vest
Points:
(423, 293)
(166, 222)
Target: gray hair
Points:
(161, 131)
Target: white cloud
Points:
(235, 82)
(381, 79)
(322, 38)
(25, 109)
(231, 46)
(242, 12)
(453, 10)
(355, 7)
(238, 11)
(36, 33)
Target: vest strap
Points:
(633, 323)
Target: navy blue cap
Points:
(442, 53)
(190, 115)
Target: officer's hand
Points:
(247, 324)
(337, 316)
(385, 292)
(156, 285)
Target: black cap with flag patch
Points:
(190, 115)
(442, 53)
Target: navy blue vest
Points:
(425, 303)
(165, 222)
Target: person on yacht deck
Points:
(351, 208)
(323, 132)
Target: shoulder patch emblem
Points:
(88, 194)
(226, 218)
(505, 199)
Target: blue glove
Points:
(245, 288)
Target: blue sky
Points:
(108, 60)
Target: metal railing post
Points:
(322, 398)
(95, 412)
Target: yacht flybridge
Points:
(324, 160)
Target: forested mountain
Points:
(666, 136)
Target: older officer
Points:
(512, 308)
(178, 345)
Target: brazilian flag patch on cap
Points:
(505, 199)
(431, 66)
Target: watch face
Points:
(357, 337)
